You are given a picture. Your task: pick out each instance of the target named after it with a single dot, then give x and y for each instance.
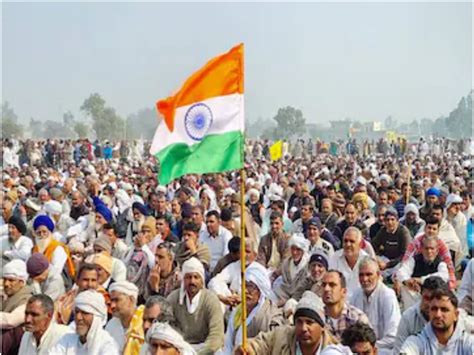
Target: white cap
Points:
(453, 198)
(361, 181)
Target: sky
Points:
(364, 61)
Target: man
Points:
(361, 339)
(348, 258)
(273, 247)
(12, 313)
(262, 313)
(444, 334)
(411, 219)
(233, 256)
(44, 279)
(126, 325)
(390, 242)
(417, 316)
(379, 223)
(313, 233)
(197, 310)
(417, 268)
(307, 336)
(163, 226)
(102, 245)
(416, 246)
(164, 339)
(227, 283)
(317, 267)
(16, 245)
(448, 234)
(379, 303)
(190, 246)
(307, 211)
(432, 198)
(41, 331)
(157, 309)
(57, 253)
(294, 268)
(456, 218)
(215, 237)
(90, 313)
(402, 201)
(351, 219)
(327, 216)
(119, 248)
(197, 216)
(165, 276)
(339, 313)
(78, 205)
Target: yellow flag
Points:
(276, 150)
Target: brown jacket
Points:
(281, 341)
(265, 248)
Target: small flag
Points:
(276, 150)
(203, 126)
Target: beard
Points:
(43, 243)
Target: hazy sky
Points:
(332, 60)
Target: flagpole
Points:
(408, 182)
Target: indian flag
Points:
(202, 130)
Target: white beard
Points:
(43, 243)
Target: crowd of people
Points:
(350, 248)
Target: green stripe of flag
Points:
(215, 153)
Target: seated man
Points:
(232, 256)
(157, 309)
(126, 325)
(444, 334)
(16, 245)
(317, 267)
(41, 330)
(307, 336)
(215, 237)
(412, 220)
(273, 247)
(12, 313)
(44, 279)
(313, 233)
(197, 310)
(390, 242)
(379, 303)
(293, 269)
(165, 276)
(415, 318)
(262, 313)
(90, 314)
(163, 338)
(414, 271)
(360, 338)
(190, 246)
(339, 313)
(348, 258)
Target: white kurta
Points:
(116, 330)
(218, 245)
(54, 332)
(69, 344)
(338, 262)
(21, 249)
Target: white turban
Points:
(164, 332)
(16, 269)
(254, 192)
(127, 186)
(193, 265)
(258, 275)
(53, 207)
(125, 287)
(298, 240)
(92, 302)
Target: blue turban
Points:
(104, 211)
(141, 208)
(43, 220)
(433, 191)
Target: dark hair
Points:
(226, 214)
(280, 204)
(307, 202)
(191, 227)
(466, 193)
(234, 245)
(199, 208)
(85, 267)
(342, 278)
(405, 184)
(445, 292)
(432, 220)
(358, 333)
(433, 283)
(275, 214)
(213, 213)
(166, 311)
(110, 226)
(46, 302)
(437, 207)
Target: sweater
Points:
(392, 245)
(205, 325)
